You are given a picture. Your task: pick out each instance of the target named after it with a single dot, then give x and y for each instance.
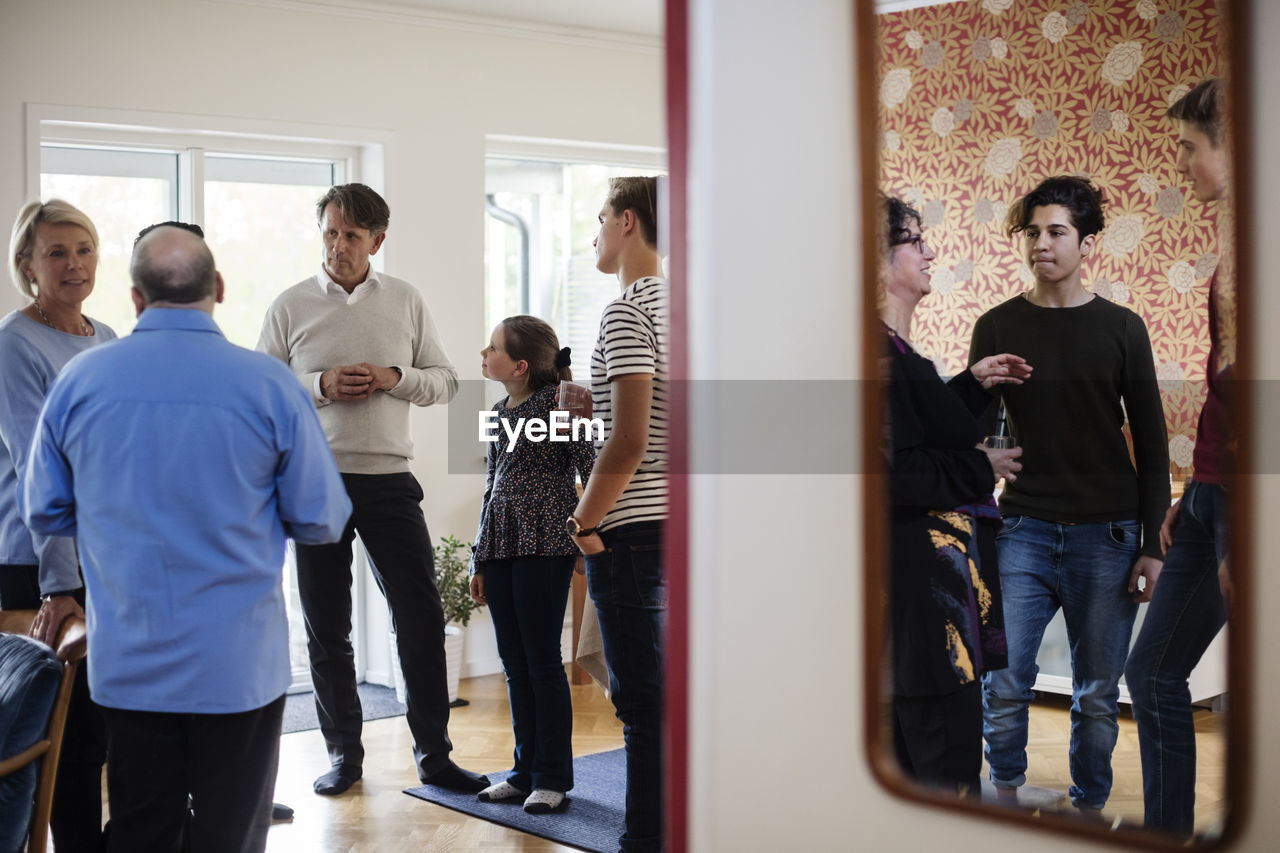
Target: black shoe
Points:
(338, 780)
(280, 812)
(455, 778)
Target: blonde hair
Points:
(55, 211)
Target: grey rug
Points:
(376, 701)
(592, 818)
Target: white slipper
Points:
(543, 800)
(503, 790)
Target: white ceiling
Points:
(635, 17)
(627, 24)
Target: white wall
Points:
(436, 91)
(776, 708)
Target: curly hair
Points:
(896, 214)
(1083, 201)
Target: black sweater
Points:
(936, 463)
(1092, 365)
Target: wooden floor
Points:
(1047, 738)
(376, 816)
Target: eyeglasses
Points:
(917, 239)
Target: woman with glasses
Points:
(53, 257)
(947, 623)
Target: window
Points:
(261, 252)
(540, 220)
(240, 203)
(121, 191)
(252, 187)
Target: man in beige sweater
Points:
(365, 346)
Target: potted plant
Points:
(453, 580)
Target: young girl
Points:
(524, 558)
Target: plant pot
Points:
(453, 659)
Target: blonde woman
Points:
(53, 257)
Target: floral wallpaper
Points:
(981, 99)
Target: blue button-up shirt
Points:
(181, 462)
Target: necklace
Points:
(893, 333)
(84, 326)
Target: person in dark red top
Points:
(1189, 604)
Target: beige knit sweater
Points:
(313, 327)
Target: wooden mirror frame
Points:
(1239, 721)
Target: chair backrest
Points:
(35, 691)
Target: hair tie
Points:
(562, 358)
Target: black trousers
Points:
(938, 739)
(76, 821)
(387, 514)
(226, 763)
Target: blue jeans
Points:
(1186, 612)
(1084, 569)
(527, 597)
(628, 588)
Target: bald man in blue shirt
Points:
(181, 463)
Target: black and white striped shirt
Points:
(633, 339)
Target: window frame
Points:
(358, 155)
(566, 152)
(359, 151)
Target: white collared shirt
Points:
(336, 291)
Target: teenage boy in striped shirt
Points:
(618, 523)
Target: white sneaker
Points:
(503, 790)
(542, 801)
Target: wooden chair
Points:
(71, 651)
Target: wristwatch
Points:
(575, 528)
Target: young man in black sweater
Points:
(1081, 523)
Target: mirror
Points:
(968, 106)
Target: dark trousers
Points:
(1185, 614)
(628, 588)
(226, 763)
(388, 516)
(527, 598)
(938, 739)
(76, 821)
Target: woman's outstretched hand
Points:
(1003, 369)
